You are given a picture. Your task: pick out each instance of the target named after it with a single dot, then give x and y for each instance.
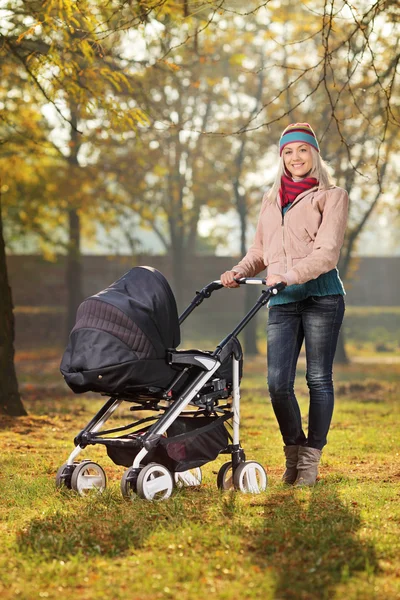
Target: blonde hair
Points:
(319, 171)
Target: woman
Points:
(298, 239)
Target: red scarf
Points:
(290, 189)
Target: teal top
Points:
(325, 285)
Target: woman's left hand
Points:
(275, 278)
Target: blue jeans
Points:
(317, 321)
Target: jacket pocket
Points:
(300, 248)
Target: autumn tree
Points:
(215, 109)
(10, 399)
(339, 72)
(23, 184)
(65, 58)
(174, 162)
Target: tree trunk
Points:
(178, 270)
(74, 258)
(10, 399)
(345, 262)
(345, 269)
(176, 221)
(74, 269)
(250, 331)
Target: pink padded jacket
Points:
(303, 244)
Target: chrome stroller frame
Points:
(154, 481)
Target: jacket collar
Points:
(299, 197)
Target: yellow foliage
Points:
(160, 170)
(27, 32)
(112, 100)
(140, 116)
(111, 77)
(147, 214)
(173, 66)
(237, 59)
(49, 253)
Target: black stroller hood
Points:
(144, 296)
(121, 335)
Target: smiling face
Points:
(298, 159)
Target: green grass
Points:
(339, 540)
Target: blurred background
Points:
(145, 133)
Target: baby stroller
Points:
(124, 345)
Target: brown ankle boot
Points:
(307, 466)
(290, 475)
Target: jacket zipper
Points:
(283, 243)
(283, 225)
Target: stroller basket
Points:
(191, 442)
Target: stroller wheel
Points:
(224, 477)
(250, 477)
(154, 482)
(189, 478)
(129, 483)
(88, 475)
(63, 477)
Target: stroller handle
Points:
(274, 289)
(217, 285)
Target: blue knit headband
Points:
(298, 132)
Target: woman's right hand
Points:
(228, 279)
